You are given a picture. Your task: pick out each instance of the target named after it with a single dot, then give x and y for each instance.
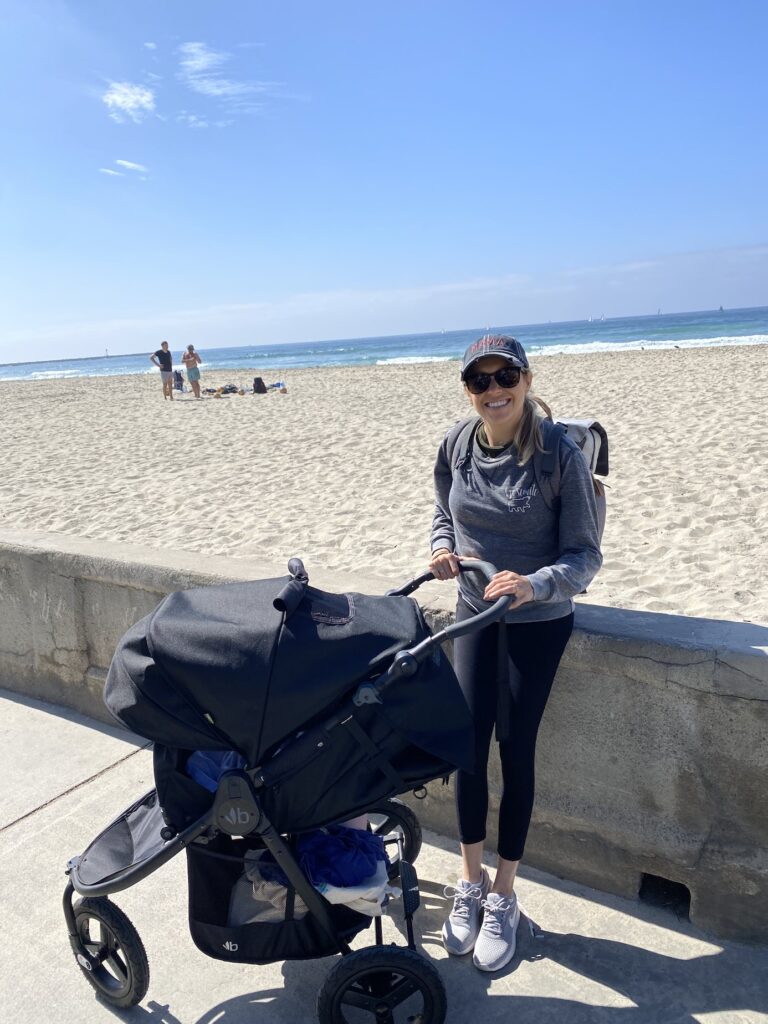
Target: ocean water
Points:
(684, 330)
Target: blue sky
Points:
(230, 173)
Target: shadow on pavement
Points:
(659, 989)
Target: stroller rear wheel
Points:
(382, 985)
(395, 816)
(118, 967)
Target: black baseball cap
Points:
(494, 345)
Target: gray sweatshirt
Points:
(491, 508)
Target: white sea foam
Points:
(116, 367)
(48, 374)
(69, 374)
(407, 360)
(643, 343)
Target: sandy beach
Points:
(339, 469)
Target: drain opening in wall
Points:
(660, 892)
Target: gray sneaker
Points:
(495, 945)
(463, 924)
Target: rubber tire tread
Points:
(411, 826)
(124, 930)
(378, 958)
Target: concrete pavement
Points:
(595, 959)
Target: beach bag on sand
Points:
(589, 436)
(259, 387)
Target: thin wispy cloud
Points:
(200, 69)
(130, 166)
(133, 169)
(195, 121)
(128, 102)
(502, 301)
(192, 120)
(633, 267)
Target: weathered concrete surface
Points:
(652, 757)
(596, 959)
(66, 601)
(52, 754)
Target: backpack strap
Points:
(546, 464)
(459, 441)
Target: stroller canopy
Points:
(220, 668)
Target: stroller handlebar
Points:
(497, 610)
(406, 663)
(486, 569)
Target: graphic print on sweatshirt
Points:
(519, 497)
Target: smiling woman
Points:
(497, 389)
(547, 553)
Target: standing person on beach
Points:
(192, 360)
(488, 506)
(164, 360)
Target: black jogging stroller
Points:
(336, 703)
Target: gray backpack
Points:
(588, 435)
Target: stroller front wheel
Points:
(117, 964)
(383, 985)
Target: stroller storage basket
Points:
(213, 872)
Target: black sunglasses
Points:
(506, 377)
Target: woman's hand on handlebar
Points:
(508, 582)
(444, 564)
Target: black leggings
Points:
(534, 652)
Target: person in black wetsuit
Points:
(164, 361)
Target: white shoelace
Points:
(492, 921)
(462, 899)
(495, 914)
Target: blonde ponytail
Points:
(528, 437)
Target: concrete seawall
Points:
(652, 757)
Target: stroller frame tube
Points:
(406, 663)
(316, 904)
(492, 614)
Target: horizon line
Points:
(382, 337)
